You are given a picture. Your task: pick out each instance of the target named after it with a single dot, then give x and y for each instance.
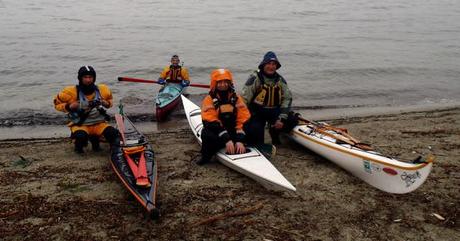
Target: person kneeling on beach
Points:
(85, 105)
(223, 113)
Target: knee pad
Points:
(80, 135)
(81, 140)
(111, 134)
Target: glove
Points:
(161, 81)
(185, 83)
(94, 103)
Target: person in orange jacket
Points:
(85, 105)
(174, 73)
(223, 113)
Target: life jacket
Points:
(175, 74)
(268, 95)
(226, 109)
(88, 114)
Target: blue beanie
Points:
(269, 56)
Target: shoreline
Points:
(176, 122)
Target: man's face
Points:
(223, 85)
(175, 61)
(270, 68)
(87, 79)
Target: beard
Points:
(87, 89)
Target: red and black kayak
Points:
(134, 163)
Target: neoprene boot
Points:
(95, 143)
(203, 160)
(81, 140)
(275, 135)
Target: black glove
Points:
(94, 103)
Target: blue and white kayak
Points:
(167, 100)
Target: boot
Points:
(79, 149)
(81, 140)
(95, 143)
(202, 160)
(275, 135)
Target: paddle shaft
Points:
(343, 134)
(129, 79)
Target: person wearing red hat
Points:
(85, 105)
(223, 113)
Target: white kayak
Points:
(252, 164)
(382, 172)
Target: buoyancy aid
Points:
(175, 74)
(268, 95)
(89, 112)
(226, 108)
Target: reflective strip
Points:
(222, 133)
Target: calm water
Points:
(335, 54)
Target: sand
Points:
(47, 192)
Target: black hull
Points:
(146, 196)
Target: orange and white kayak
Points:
(382, 172)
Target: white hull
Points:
(382, 172)
(252, 164)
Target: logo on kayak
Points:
(370, 167)
(367, 166)
(410, 178)
(390, 171)
(376, 167)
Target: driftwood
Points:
(229, 214)
(7, 214)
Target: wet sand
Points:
(49, 193)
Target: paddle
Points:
(343, 134)
(128, 79)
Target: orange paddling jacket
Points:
(175, 74)
(225, 113)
